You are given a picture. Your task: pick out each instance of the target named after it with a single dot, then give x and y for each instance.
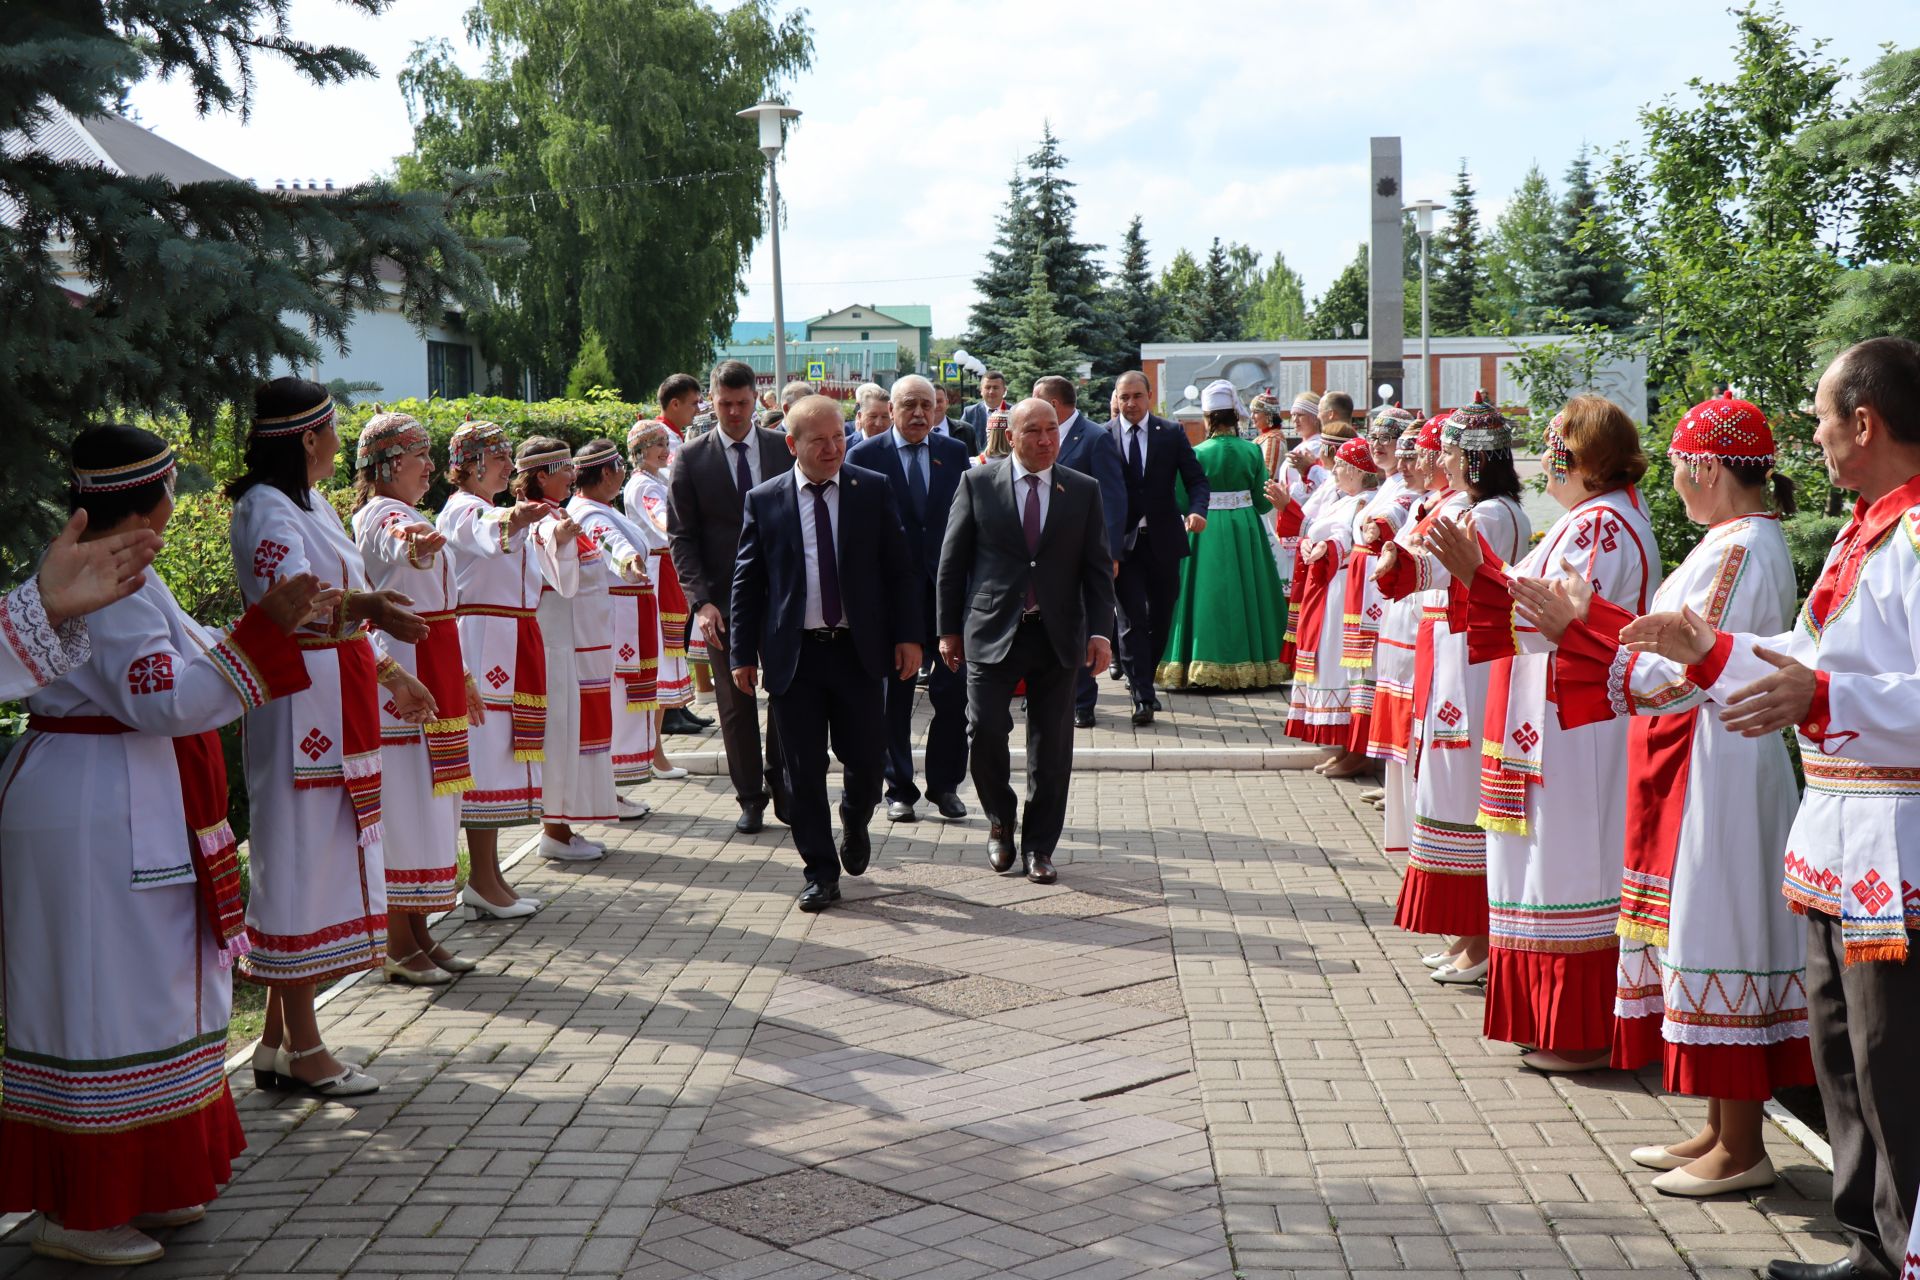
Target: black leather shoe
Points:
(1782, 1269)
(695, 719)
(1142, 715)
(900, 811)
(1000, 848)
(856, 850)
(1083, 719)
(752, 819)
(1153, 700)
(818, 897)
(1040, 869)
(951, 806)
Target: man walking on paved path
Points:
(827, 596)
(1085, 448)
(1026, 593)
(925, 469)
(705, 495)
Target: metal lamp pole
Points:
(771, 115)
(1422, 211)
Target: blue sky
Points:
(1244, 119)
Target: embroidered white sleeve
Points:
(37, 653)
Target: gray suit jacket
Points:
(985, 567)
(704, 513)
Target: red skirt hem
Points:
(1558, 1001)
(1319, 735)
(1359, 729)
(1737, 1072)
(90, 1182)
(1431, 903)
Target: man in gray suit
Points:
(709, 483)
(1025, 592)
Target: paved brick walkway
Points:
(1206, 1053)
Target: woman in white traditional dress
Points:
(318, 907)
(576, 632)
(645, 496)
(1320, 712)
(120, 886)
(1362, 609)
(1444, 890)
(599, 473)
(647, 447)
(1712, 980)
(1390, 730)
(1550, 797)
(504, 557)
(424, 769)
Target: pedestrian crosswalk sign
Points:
(949, 371)
(816, 370)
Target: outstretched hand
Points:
(1552, 605)
(78, 577)
(1682, 637)
(391, 612)
(1774, 702)
(293, 602)
(1386, 562)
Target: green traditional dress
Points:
(1231, 615)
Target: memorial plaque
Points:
(1350, 376)
(1295, 376)
(1459, 379)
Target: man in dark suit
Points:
(827, 598)
(993, 399)
(925, 469)
(1087, 449)
(1025, 593)
(1153, 452)
(710, 479)
(952, 427)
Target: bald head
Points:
(1035, 434)
(817, 437)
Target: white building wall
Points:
(384, 349)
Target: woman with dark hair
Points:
(1229, 616)
(318, 907)
(1712, 979)
(504, 558)
(1553, 854)
(424, 769)
(645, 497)
(1444, 890)
(606, 625)
(120, 888)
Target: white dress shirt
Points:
(753, 454)
(812, 618)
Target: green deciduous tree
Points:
(1343, 306)
(612, 123)
(1133, 304)
(1041, 341)
(1279, 309)
(187, 295)
(1181, 286)
(1459, 274)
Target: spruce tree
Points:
(1003, 285)
(1582, 285)
(1344, 305)
(1136, 309)
(186, 296)
(1073, 271)
(1219, 317)
(1458, 272)
(1040, 341)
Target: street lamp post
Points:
(1422, 211)
(772, 116)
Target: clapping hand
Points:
(78, 577)
(1682, 637)
(1389, 560)
(1773, 702)
(1310, 552)
(1552, 605)
(1454, 544)
(293, 602)
(390, 612)
(1278, 495)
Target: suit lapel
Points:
(722, 466)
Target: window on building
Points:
(865, 336)
(449, 370)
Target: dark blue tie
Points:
(1134, 462)
(823, 549)
(916, 480)
(742, 474)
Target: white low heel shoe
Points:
(1657, 1158)
(670, 774)
(349, 1082)
(1449, 975)
(478, 908)
(1678, 1182)
(629, 810)
(121, 1246)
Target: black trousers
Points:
(1145, 591)
(1864, 1024)
(740, 731)
(946, 735)
(831, 702)
(1050, 695)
